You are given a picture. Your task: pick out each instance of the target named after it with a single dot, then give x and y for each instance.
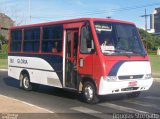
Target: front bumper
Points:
(113, 87)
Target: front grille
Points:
(129, 88)
(130, 77)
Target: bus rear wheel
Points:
(89, 93)
(26, 83)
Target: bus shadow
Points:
(57, 92)
(121, 97)
(112, 98)
(11, 82)
(69, 94)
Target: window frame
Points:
(11, 40)
(33, 41)
(115, 43)
(60, 31)
(91, 39)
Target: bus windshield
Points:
(119, 39)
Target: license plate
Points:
(133, 83)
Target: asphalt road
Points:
(67, 104)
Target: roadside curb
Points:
(18, 105)
(156, 80)
(3, 69)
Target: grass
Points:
(155, 64)
(3, 60)
(3, 63)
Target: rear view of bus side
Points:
(91, 55)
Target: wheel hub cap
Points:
(26, 82)
(89, 92)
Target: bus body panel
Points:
(130, 76)
(40, 71)
(123, 86)
(129, 72)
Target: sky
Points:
(53, 10)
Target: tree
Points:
(151, 42)
(147, 39)
(5, 48)
(3, 40)
(156, 42)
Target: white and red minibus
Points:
(95, 56)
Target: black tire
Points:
(133, 94)
(89, 93)
(26, 84)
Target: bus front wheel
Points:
(26, 83)
(89, 93)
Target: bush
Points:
(152, 52)
(4, 48)
(3, 56)
(3, 39)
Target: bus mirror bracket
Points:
(93, 51)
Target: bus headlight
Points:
(148, 76)
(110, 78)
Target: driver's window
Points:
(86, 43)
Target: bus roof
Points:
(71, 21)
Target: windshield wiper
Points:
(122, 50)
(139, 53)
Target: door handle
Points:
(81, 62)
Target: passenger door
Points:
(71, 47)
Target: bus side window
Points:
(86, 43)
(16, 40)
(55, 47)
(52, 39)
(31, 39)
